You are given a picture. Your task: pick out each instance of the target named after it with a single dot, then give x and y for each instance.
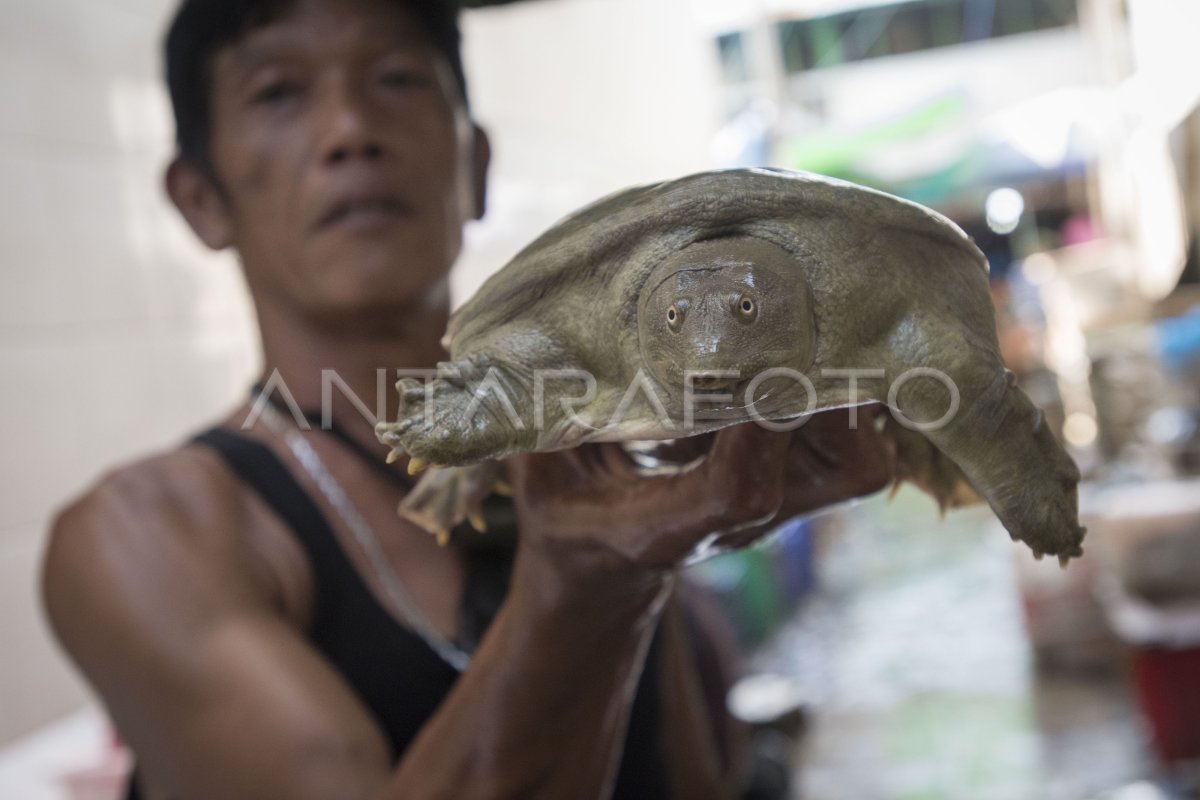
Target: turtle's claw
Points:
(477, 521)
(387, 434)
(411, 391)
(417, 465)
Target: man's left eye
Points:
(405, 78)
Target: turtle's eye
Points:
(675, 317)
(745, 308)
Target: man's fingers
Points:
(747, 465)
(830, 462)
(750, 444)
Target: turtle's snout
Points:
(713, 380)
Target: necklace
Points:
(374, 460)
(365, 536)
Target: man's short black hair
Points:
(202, 27)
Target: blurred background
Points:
(928, 657)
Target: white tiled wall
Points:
(118, 334)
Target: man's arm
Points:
(153, 593)
(152, 586)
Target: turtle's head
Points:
(737, 304)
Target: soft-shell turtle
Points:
(682, 307)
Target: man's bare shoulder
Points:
(172, 524)
(176, 491)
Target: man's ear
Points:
(200, 202)
(482, 157)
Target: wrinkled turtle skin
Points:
(715, 278)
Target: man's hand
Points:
(828, 463)
(592, 506)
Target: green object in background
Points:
(747, 583)
(840, 155)
(935, 187)
(761, 586)
(760, 593)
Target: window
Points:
(1026, 16)
(911, 27)
(731, 49)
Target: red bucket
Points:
(1168, 686)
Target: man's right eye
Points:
(275, 92)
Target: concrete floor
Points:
(921, 678)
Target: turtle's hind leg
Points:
(1000, 441)
(443, 498)
(923, 465)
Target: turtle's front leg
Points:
(474, 410)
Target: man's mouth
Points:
(365, 213)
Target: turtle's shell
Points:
(582, 278)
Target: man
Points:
(208, 593)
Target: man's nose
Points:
(348, 126)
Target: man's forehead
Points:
(328, 26)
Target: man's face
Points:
(346, 161)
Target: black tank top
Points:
(397, 675)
